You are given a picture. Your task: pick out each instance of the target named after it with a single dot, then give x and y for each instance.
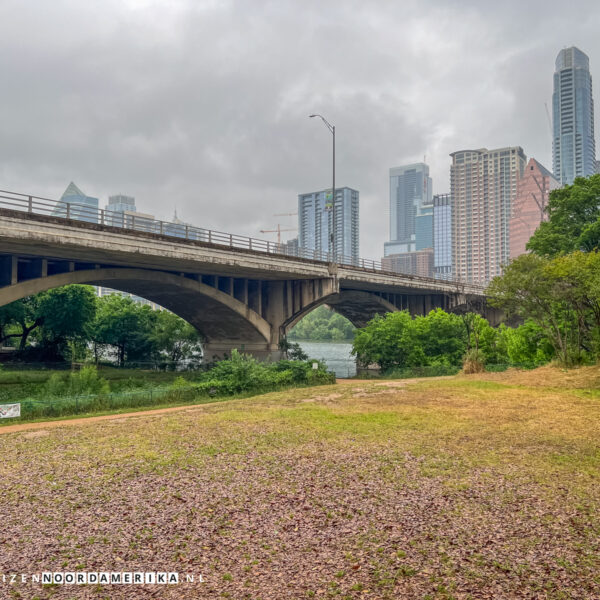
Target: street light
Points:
(333, 225)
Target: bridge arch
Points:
(356, 306)
(217, 316)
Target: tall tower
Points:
(483, 185)
(315, 222)
(411, 209)
(574, 148)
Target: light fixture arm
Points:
(333, 221)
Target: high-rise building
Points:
(574, 148)
(417, 262)
(529, 207)
(290, 247)
(121, 212)
(483, 187)
(178, 228)
(442, 236)
(121, 203)
(411, 209)
(74, 204)
(315, 216)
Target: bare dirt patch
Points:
(36, 434)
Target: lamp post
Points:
(333, 224)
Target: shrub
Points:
(85, 382)
(473, 362)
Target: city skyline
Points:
(207, 106)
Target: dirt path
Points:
(82, 420)
(157, 411)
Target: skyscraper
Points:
(121, 203)
(574, 148)
(442, 236)
(529, 207)
(315, 222)
(483, 187)
(411, 209)
(74, 204)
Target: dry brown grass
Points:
(479, 486)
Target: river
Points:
(335, 354)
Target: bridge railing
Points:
(136, 222)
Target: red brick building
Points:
(528, 209)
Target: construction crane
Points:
(286, 215)
(278, 232)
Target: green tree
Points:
(175, 338)
(18, 320)
(526, 344)
(126, 326)
(323, 324)
(442, 336)
(65, 315)
(573, 220)
(55, 317)
(385, 341)
(532, 288)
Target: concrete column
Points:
(275, 310)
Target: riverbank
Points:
(481, 486)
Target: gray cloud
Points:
(204, 105)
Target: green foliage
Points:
(292, 351)
(573, 220)
(243, 373)
(85, 391)
(561, 296)
(56, 319)
(397, 341)
(323, 324)
(526, 344)
(127, 326)
(174, 338)
(85, 382)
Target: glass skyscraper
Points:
(411, 209)
(81, 207)
(315, 222)
(574, 148)
(121, 203)
(442, 236)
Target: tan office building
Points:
(483, 186)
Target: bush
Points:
(473, 362)
(85, 382)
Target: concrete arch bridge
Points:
(237, 297)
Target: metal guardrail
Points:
(81, 212)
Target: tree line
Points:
(72, 323)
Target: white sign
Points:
(8, 411)
(315, 366)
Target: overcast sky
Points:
(204, 105)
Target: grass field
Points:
(462, 487)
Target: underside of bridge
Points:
(252, 315)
